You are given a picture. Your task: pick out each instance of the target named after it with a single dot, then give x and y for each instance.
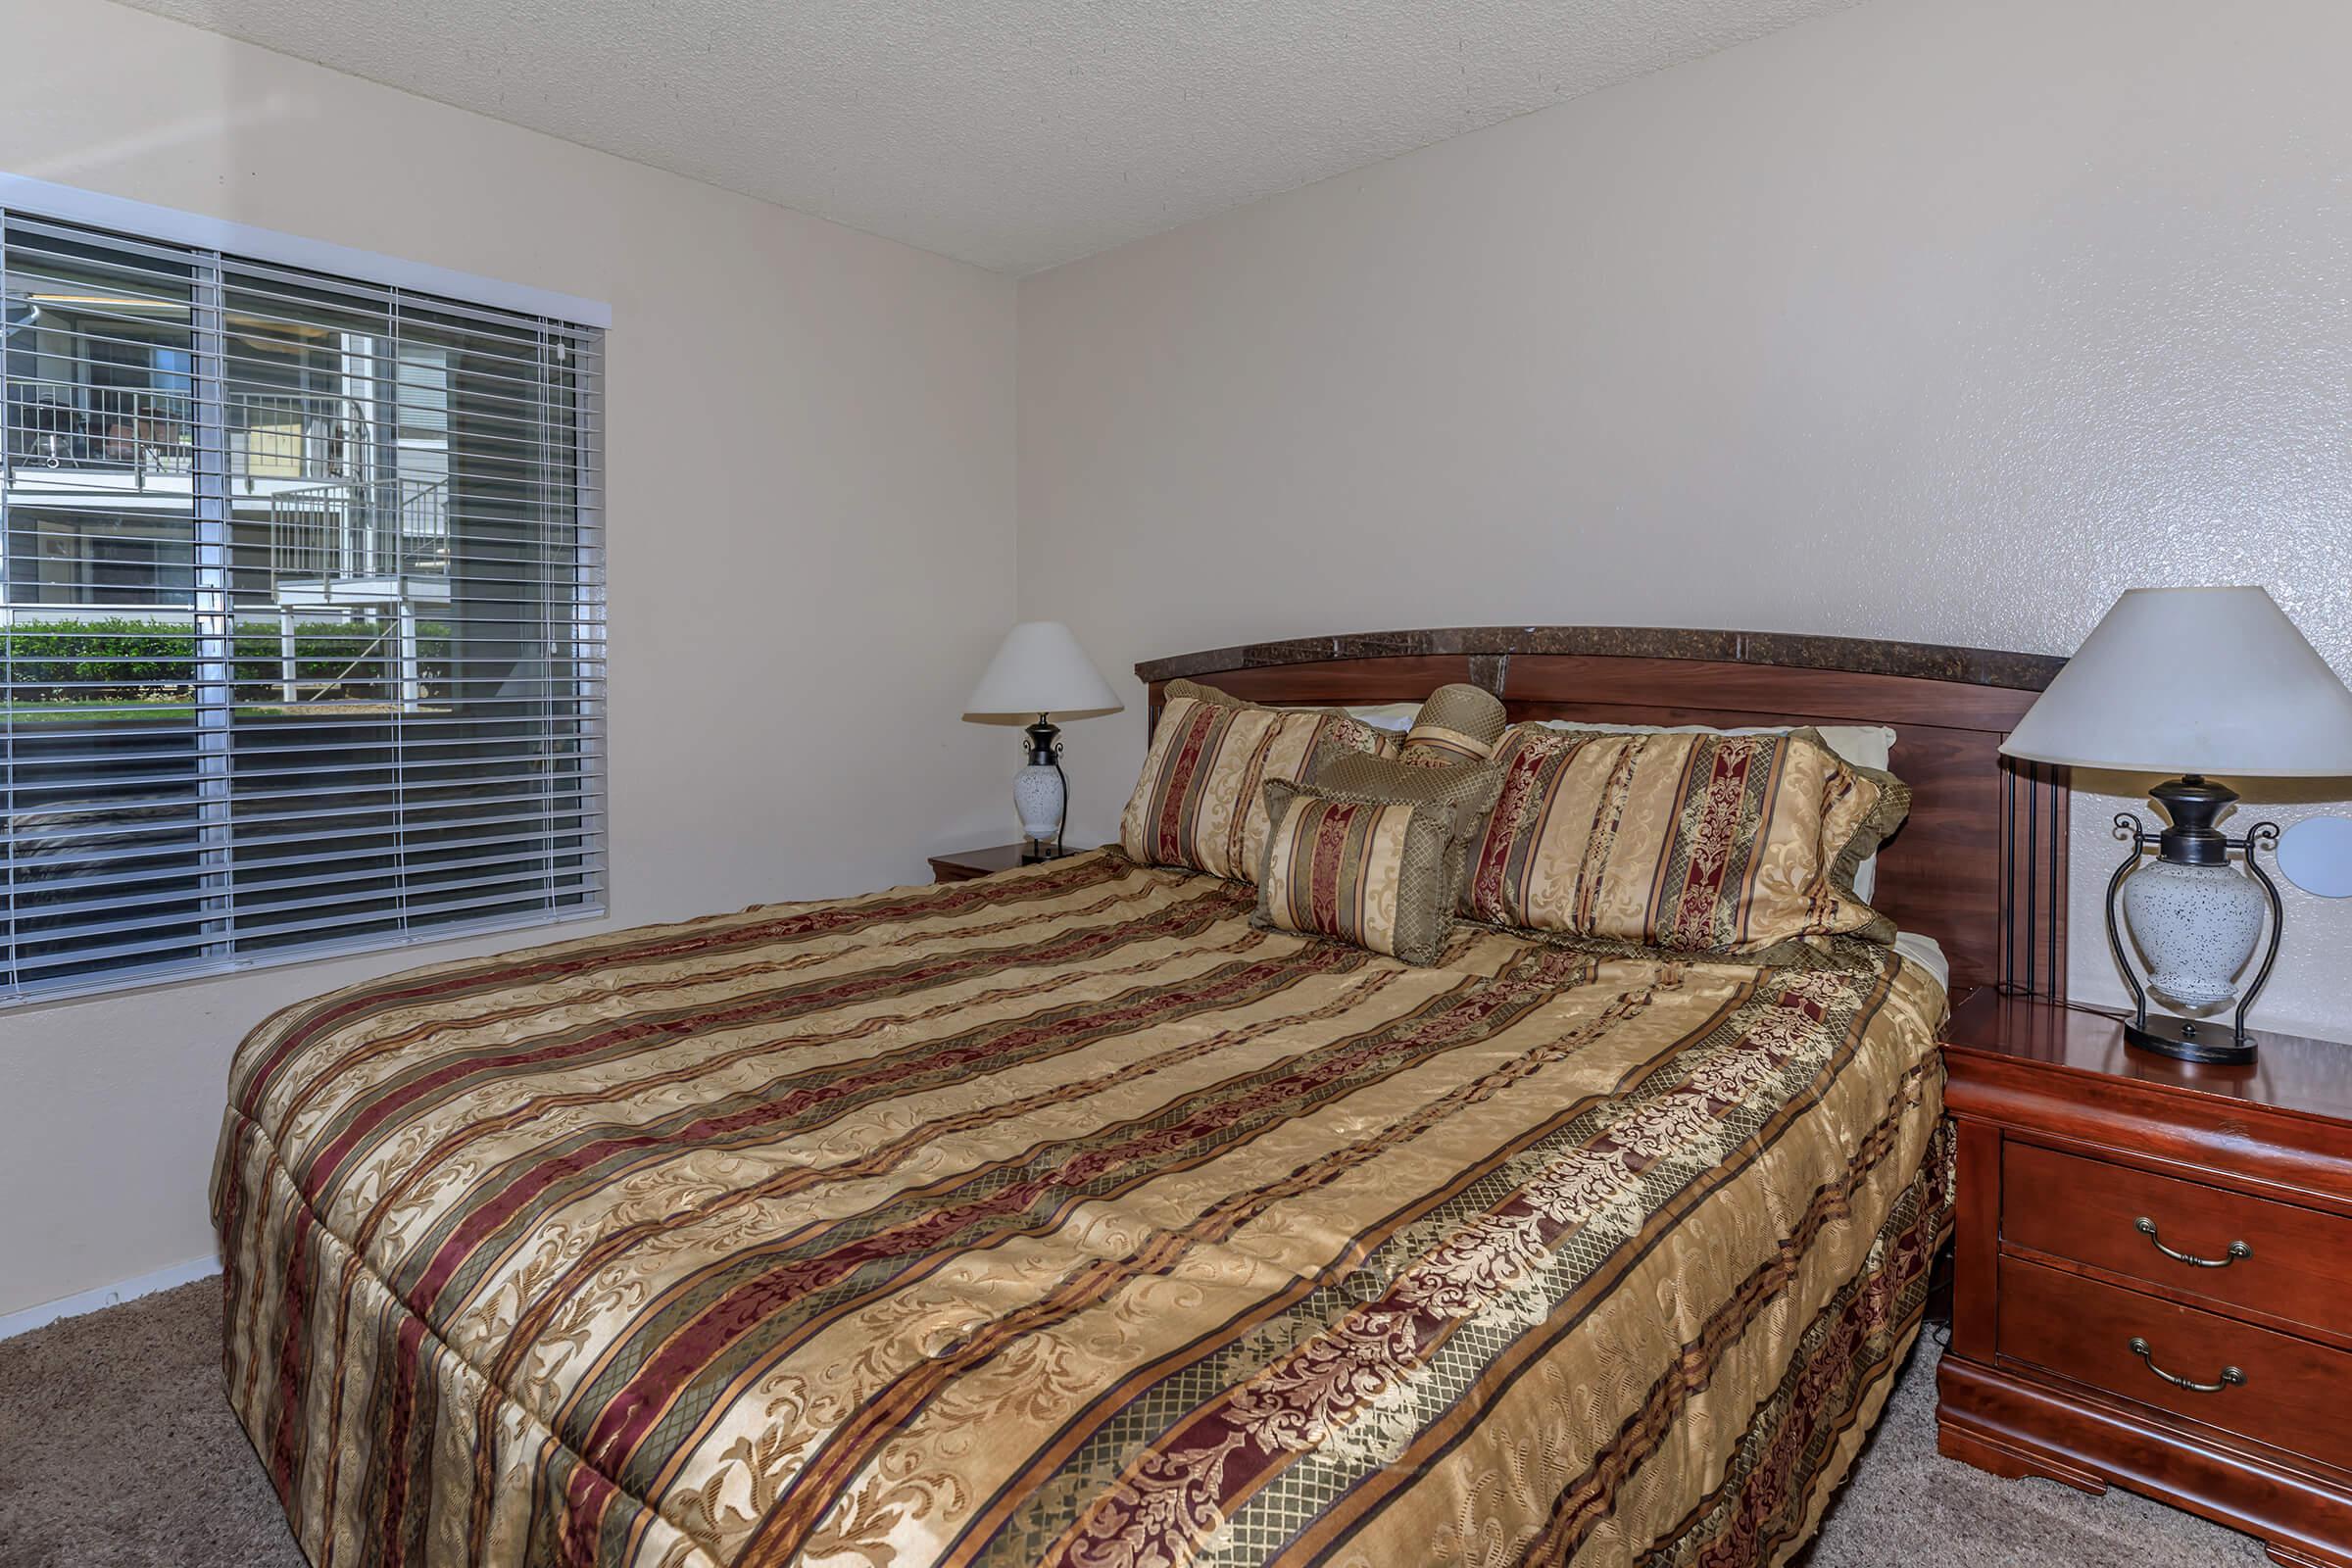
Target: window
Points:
(301, 612)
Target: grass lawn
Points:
(159, 707)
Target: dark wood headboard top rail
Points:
(1981, 862)
(1490, 648)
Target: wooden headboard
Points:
(1980, 863)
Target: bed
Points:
(1064, 1216)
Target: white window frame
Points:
(39, 198)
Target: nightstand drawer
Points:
(2292, 1262)
(2292, 1395)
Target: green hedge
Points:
(126, 657)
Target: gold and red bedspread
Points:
(1065, 1219)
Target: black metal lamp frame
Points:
(1045, 751)
(2193, 803)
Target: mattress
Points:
(1063, 1217)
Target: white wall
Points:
(1926, 321)
(810, 493)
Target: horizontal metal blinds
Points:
(301, 612)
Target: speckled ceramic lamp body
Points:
(2196, 925)
(1038, 793)
(1041, 796)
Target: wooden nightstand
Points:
(961, 866)
(2154, 1271)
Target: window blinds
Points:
(301, 612)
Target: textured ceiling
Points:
(1014, 133)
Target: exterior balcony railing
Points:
(61, 426)
(65, 427)
(383, 529)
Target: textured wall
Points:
(1919, 320)
(810, 449)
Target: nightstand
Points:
(2154, 1284)
(961, 866)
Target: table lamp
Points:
(1041, 670)
(2193, 681)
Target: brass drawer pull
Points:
(2231, 1377)
(2238, 1251)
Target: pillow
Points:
(1694, 842)
(1865, 746)
(1458, 723)
(1201, 799)
(1379, 781)
(1210, 694)
(1378, 864)
(1388, 730)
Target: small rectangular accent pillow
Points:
(1380, 874)
(1201, 799)
(1436, 778)
(1698, 843)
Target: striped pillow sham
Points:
(1697, 843)
(1387, 737)
(1199, 801)
(1864, 746)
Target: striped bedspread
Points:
(1061, 1217)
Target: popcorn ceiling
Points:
(1012, 133)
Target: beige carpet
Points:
(116, 1448)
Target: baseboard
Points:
(13, 1324)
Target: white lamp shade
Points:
(1040, 668)
(2194, 680)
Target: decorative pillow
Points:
(1699, 843)
(1356, 776)
(1382, 780)
(1380, 873)
(1387, 729)
(1201, 801)
(1458, 723)
(1865, 746)
(1210, 694)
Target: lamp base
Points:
(2187, 1040)
(1041, 795)
(2199, 924)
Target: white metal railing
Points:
(382, 528)
(72, 426)
(68, 425)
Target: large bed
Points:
(1066, 1216)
